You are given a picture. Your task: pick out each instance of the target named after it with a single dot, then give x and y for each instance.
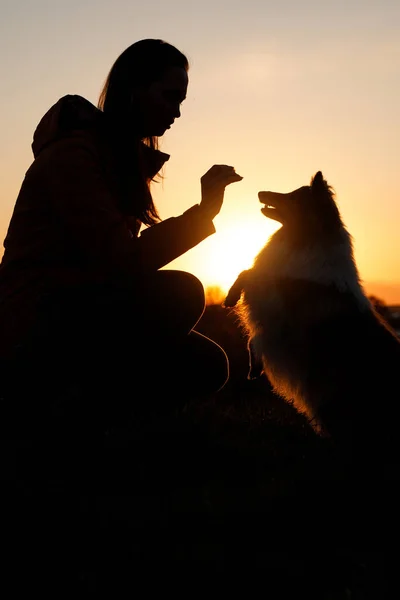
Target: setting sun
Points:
(234, 249)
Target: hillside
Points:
(235, 491)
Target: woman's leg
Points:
(161, 354)
(173, 303)
(129, 351)
(137, 346)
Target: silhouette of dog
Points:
(311, 328)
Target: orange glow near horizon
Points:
(234, 250)
(235, 247)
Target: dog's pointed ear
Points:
(318, 184)
(322, 192)
(317, 180)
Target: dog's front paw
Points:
(231, 300)
(236, 289)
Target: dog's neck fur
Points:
(315, 261)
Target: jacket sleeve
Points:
(87, 209)
(162, 243)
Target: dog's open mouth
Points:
(271, 201)
(271, 212)
(269, 207)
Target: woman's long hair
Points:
(140, 64)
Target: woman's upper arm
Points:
(86, 205)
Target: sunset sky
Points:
(279, 90)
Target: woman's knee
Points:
(180, 293)
(190, 287)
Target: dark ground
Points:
(233, 496)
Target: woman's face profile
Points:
(159, 103)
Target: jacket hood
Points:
(75, 113)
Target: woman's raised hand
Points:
(213, 184)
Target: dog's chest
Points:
(266, 309)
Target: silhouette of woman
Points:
(84, 298)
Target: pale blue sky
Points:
(277, 89)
